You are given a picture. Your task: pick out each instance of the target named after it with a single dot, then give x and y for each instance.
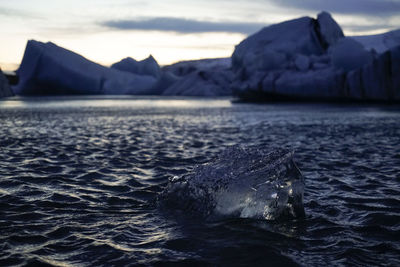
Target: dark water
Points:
(78, 176)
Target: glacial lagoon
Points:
(79, 177)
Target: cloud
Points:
(359, 7)
(366, 29)
(11, 12)
(183, 25)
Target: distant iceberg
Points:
(311, 59)
(300, 59)
(243, 182)
(148, 66)
(206, 77)
(274, 47)
(49, 69)
(380, 43)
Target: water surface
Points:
(78, 176)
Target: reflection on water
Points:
(114, 101)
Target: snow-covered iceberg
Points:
(5, 89)
(275, 46)
(49, 69)
(242, 182)
(311, 59)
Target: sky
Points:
(107, 31)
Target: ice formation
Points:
(328, 29)
(207, 77)
(311, 59)
(183, 68)
(5, 89)
(202, 83)
(148, 66)
(379, 80)
(49, 69)
(242, 182)
(380, 43)
(285, 40)
(304, 58)
(348, 54)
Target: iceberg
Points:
(328, 29)
(184, 68)
(322, 65)
(202, 83)
(148, 66)
(49, 69)
(301, 59)
(164, 81)
(5, 89)
(348, 54)
(379, 43)
(207, 77)
(243, 182)
(304, 35)
(302, 62)
(379, 80)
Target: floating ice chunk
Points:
(241, 182)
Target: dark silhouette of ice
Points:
(380, 43)
(5, 89)
(207, 77)
(305, 58)
(310, 58)
(281, 42)
(242, 182)
(49, 69)
(148, 66)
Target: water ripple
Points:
(77, 183)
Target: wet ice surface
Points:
(242, 182)
(77, 174)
